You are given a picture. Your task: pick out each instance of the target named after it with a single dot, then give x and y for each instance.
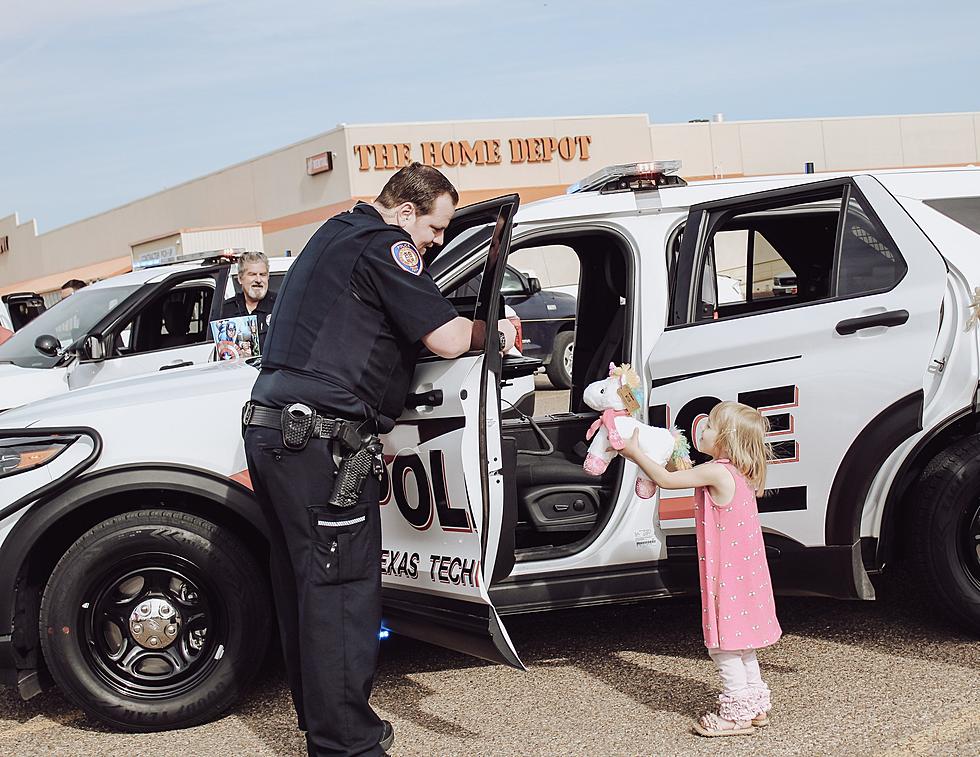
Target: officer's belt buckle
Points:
(297, 425)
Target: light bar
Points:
(630, 177)
(170, 256)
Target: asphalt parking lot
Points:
(891, 677)
(886, 678)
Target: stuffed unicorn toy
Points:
(619, 398)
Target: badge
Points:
(407, 257)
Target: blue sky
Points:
(105, 101)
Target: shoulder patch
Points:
(407, 257)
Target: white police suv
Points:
(132, 552)
(153, 319)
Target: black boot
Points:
(387, 735)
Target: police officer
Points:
(352, 315)
(255, 297)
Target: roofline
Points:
(444, 122)
(197, 228)
(815, 118)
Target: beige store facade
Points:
(288, 193)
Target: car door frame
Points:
(131, 307)
(474, 627)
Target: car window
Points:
(963, 210)
(749, 268)
(794, 252)
(869, 260)
(512, 283)
(67, 321)
(760, 260)
(179, 317)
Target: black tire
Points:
(945, 535)
(203, 600)
(558, 372)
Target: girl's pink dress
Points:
(736, 592)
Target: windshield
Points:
(67, 321)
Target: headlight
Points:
(23, 454)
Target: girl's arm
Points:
(701, 475)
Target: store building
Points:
(283, 196)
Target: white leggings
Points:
(745, 694)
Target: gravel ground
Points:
(547, 399)
(886, 678)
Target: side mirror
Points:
(93, 348)
(47, 345)
(533, 284)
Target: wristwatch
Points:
(503, 340)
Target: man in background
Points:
(70, 287)
(255, 297)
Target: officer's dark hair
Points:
(419, 185)
(75, 284)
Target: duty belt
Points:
(299, 423)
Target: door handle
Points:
(182, 364)
(889, 318)
(432, 398)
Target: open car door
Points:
(442, 501)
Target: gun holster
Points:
(357, 464)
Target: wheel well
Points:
(50, 545)
(900, 501)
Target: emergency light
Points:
(631, 177)
(171, 256)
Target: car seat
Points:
(177, 320)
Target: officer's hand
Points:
(509, 332)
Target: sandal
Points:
(761, 720)
(711, 724)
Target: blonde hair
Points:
(741, 436)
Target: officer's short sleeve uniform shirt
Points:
(385, 277)
(346, 332)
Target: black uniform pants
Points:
(326, 580)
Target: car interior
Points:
(177, 318)
(800, 243)
(800, 240)
(556, 508)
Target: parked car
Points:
(124, 326)
(17, 309)
(547, 320)
(783, 284)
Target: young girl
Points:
(738, 612)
